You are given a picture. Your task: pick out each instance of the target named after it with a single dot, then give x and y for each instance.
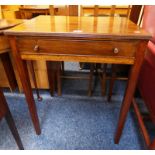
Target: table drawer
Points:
(78, 47)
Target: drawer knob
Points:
(36, 48)
(116, 50)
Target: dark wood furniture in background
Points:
(4, 55)
(43, 39)
(135, 13)
(105, 10)
(5, 112)
(28, 12)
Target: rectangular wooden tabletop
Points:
(74, 26)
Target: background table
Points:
(7, 68)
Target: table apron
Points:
(107, 51)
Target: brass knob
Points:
(36, 48)
(116, 50)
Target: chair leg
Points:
(13, 129)
(51, 77)
(111, 83)
(58, 76)
(81, 65)
(103, 80)
(62, 67)
(90, 79)
(54, 76)
(34, 80)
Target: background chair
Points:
(101, 69)
(5, 112)
(136, 17)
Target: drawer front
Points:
(78, 47)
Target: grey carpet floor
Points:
(72, 121)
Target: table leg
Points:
(90, 79)
(111, 82)
(14, 130)
(54, 76)
(62, 67)
(103, 79)
(34, 80)
(58, 77)
(10, 121)
(51, 77)
(23, 74)
(129, 93)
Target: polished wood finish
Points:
(5, 112)
(79, 47)
(100, 28)
(6, 68)
(5, 80)
(79, 58)
(97, 12)
(71, 10)
(134, 17)
(34, 79)
(23, 74)
(133, 76)
(62, 29)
